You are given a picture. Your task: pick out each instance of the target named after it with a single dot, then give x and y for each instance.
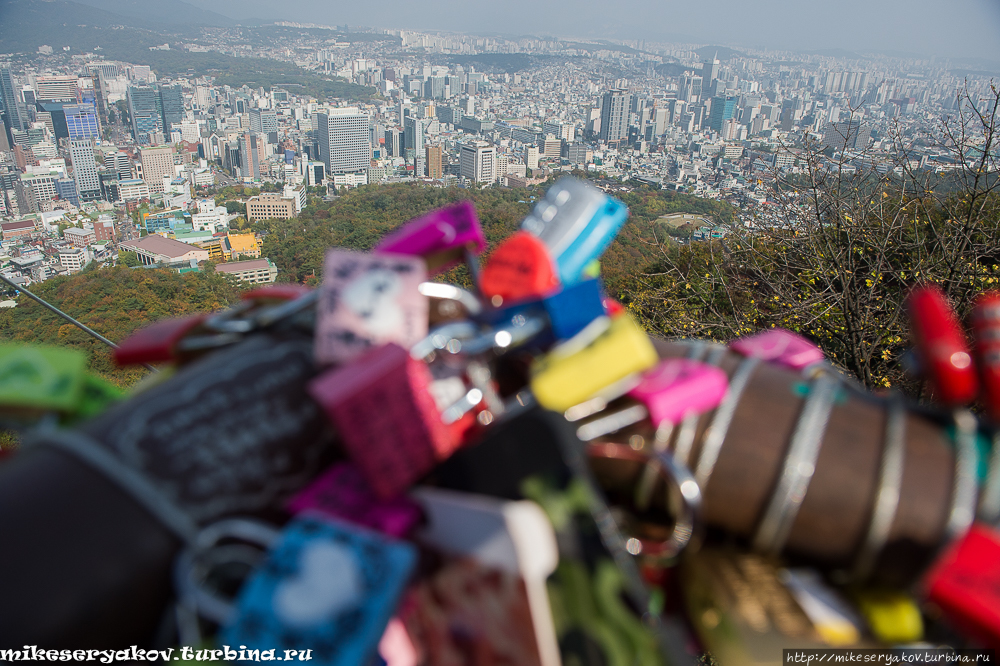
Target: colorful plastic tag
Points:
(965, 584)
(941, 346)
(441, 237)
(327, 588)
(570, 374)
(893, 617)
(36, 377)
(386, 417)
(985, 321)
(520, 268)
(341, 492)
(779, 346)
(577, 222)
(568, 311)
(368, 300)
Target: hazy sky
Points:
(962, 28)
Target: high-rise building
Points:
(723, 109)
(847, 135)
(435, 167)
(249, 156)
(81, 121)
(156, 163)
(413, 139)
(691, 88)
(81, 153)
(477, 162)
(710, 70)
(394, 142)
(614, 116)
(66, 190)
(56, 88)
(263, 120)
(343, 137)
(13, 115)
(172, 107)
(144, 110)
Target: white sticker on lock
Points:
(327, 583)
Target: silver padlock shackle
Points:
(452, 293)
(688, 525)
(205, 553)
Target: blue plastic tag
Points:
(327, 587)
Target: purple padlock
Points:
(779, 346)
(442, 237)
(342, 492)
(677, 387)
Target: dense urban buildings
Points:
(95, 152)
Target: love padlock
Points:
(666, 394)
(985, 320)
(607, 351)
(520, 268)
(565, 311)
(342, 493)
(779, 346)
(577, 222)
(368, 300)
(325, 592)
(965, 584)
(941, 346)
(157, 343)
(442, 237)
(384, 410)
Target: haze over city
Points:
(964, 28)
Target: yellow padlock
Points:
(893, 617)
(592, 360)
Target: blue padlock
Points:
(327, 587)
(577, 222)
(567, 311)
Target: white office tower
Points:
(343, 136)
(478, 162)
(81, 153)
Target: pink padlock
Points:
(441, 237)
(385, 413)
(342, 492)
(677, 387)
(368, 300)
(779, 346)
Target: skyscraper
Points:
(435, 168)
(14, 119)
(710, 70)
(414, 140)
(172, 108)
(144, 110)
(342, 135)
(249, 156)
(156, 163)
(81, 153)
(723, 109)
(81, 121)
(615, 107)
(477, 162)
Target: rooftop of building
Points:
(154, 244)
(239, 266)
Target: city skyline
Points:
(968, 29)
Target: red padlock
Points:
(985, 321)
(941, 346)
(965, 584)
(383, 408)
(157, 342)
(521, 267)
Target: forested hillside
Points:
(116, 301)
